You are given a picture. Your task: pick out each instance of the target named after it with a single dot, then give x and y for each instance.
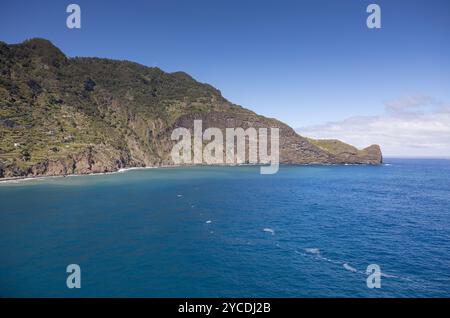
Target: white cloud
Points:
(411, 126)
(409, 103)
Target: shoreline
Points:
(34, 178)
(12, 180)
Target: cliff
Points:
(61, 115)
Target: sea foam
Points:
(269, 230)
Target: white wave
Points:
(208, 222)
(316, 254)
(126, 169)
(349, 268)
(388, 275)
(136, 168)
(314, 251)
(269, 230)
(300, 253)
(325, 259)
(20, 180)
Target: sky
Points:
(312, 64)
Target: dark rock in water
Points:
(60, 121)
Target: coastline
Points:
(14, 180)
(34, 178)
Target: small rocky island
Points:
(61, 116)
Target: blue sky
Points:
(307, 63)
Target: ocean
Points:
(307, 231)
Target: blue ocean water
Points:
(306, 231)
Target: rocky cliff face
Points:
(62, 115)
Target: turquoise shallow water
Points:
(145, 232)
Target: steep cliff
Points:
(61, 115)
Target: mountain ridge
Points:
(61, 115)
